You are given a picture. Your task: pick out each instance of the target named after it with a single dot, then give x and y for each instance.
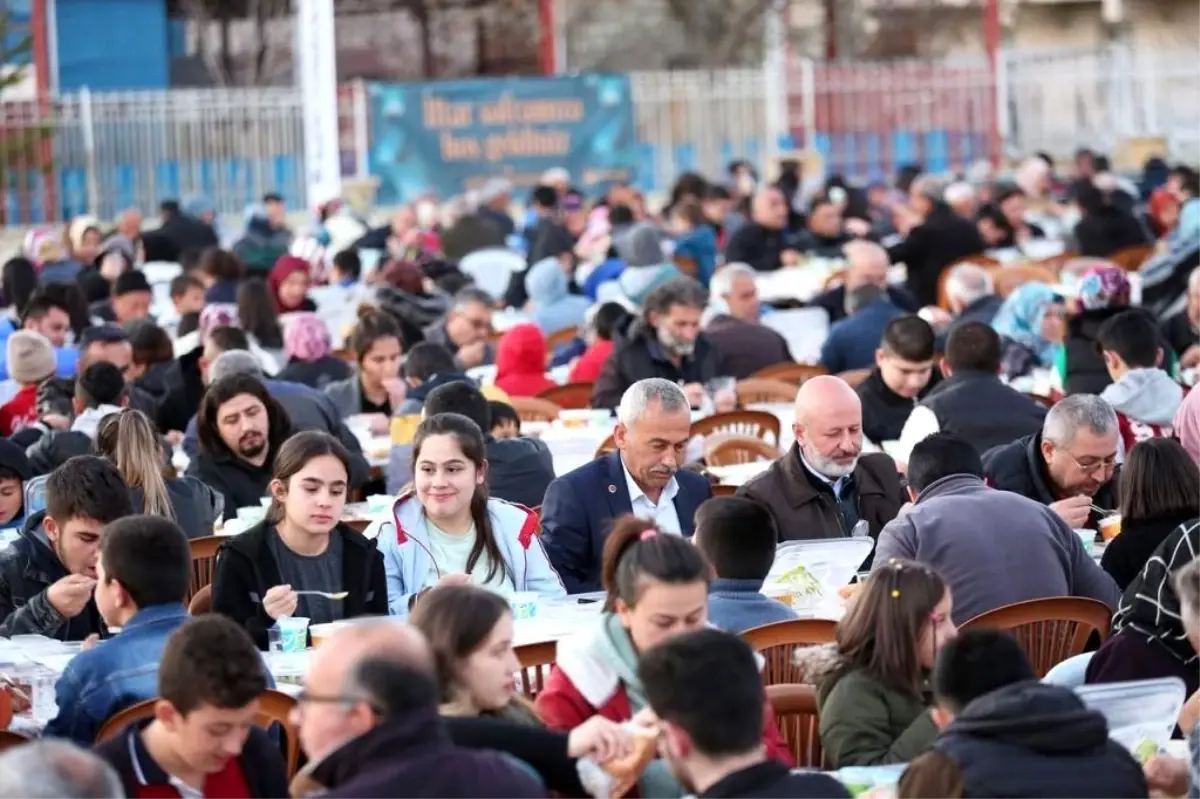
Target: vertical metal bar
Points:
(88, 125)
(362, 127)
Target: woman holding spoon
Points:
(301, 560)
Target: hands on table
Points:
(600, 739)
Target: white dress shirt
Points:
(663, 513)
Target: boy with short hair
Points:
(1143, 395)
(203, 740)
(14, 472)
(1004, 733)
(506, 423)
(904, 372)
(99, 390)
(345, 269)
(142, 576)
(47, 576)
(737, 536)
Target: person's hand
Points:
(1074, 510)
(174, 438)
(471, 354)
(378, 423)
(857, 227)
(455, 579)
(938, 318)
(90, 641)
(789, 257)
(695, 394)
(1166, 775)
(725, 401)
(56, 421)
(1190, 357)
(397, 391)
(600, 739)
(70, 595)
(280, 600)
(1190, 714)
(646, 719)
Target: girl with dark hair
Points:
(220, 271)
(17, 283)
(872, 694)
(1159, 487)
(656, 587)
(376, 391)
(301, 560)
(256, 315)
(446, 530)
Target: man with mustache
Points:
(824, 486)
(241, 429)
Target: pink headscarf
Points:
(217, 314)
(306, 338)
(1187, 423)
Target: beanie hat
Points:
(30, 357)
(640, 245)
(12, 459)
(130, 282)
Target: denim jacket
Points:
(113, 675)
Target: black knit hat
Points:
(12, 459)
(129, 282)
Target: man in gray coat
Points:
(992, 547)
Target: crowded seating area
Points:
(803, 492)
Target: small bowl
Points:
(1110, 527)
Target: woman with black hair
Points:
(1105, 227)
(17, 282)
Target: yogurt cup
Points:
(524, 605)
(293, 632)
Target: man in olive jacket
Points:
(824, 486)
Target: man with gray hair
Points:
(643, 476)
(494, 200)
(1071, 465)
(666, 342)
(961, 198)
(465, 329)
(866, 263)
(852, 342)
(972, 297)
(744, 345)
(56, 770)
(942, 238)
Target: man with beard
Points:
(825, 486)
(666, 342)
(241, 429)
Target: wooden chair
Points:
(1055, 263)
(573, 396)
(777, 644)
(795, 708)
(275, 707)
(835, 279)
(795, 373)
(122, 719)
(1007, 278)
(202, 602)
(722, 490)
(606, 446)
(981, 259)
(1131, 258)
(11, 740)
(855, 376)
(560, 337)
(1049, 402)
(753, 389)
(538, 659)
(1050, 630)
(204, 561)
(533, 409)
(740, 449)
(749, 424)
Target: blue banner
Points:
(447, 137)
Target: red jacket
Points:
(587, 368)
(20, 411)
(521, 362)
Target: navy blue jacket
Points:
(852, 341)
(578, 510)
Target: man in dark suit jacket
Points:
(643, 477)
(942, 238)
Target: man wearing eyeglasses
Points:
(465, 329)
(1071, 465)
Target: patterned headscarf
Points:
(218, 314)
(1102, 287)
(1150, 604)
(306, 338)
(44, 246)
(1187, 423)
(1020, 319)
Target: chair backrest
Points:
(795, 373)
(1049, 630)
(722, 490)
(536, 661)
(560, 337)
(795, 708)
(777, 644)
(533, 409)
(122, 719)
(740, 449)
(1131, 258)
(1008, 278)
(751, 424)
(606, 446)
(572, 396)
(855, 376)
(202, 602)
(755, 389)
(204, 560)
(275, 707)
(10, 740)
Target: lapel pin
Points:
(612, 489)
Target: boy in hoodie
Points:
(737, 536)
(48, 575)
(1143, 395)
(14, 473)
(99, 391)
(1004, 733)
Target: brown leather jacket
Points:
(801, 512)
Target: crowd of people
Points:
(264, 368)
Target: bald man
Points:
(824, 487)
(866, 265)
(369, 723)
(764, 242)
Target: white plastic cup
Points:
(293, 633)
(524, 605)
(252, 515)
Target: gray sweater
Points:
(993, 547)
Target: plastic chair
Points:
(275, 707)
(11, 740)
(606, 446)
(795, 708)
(573, 396)
(749, 424)
(1008, 278)
(795, 373)
(533, 409)
(204, 561)
(122, 719)
(1049, 630)
(560, 337)
(854, 377)
(740, 449)
(721, 490)
(539, 659)
(753, 389)
(777, 643)
(202, 602)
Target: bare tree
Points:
(229, 65)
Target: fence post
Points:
(1000, 121)
(87, 122)
(808, 101)
(362, 124)
(775, 105)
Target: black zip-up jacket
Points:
(239, 481)
(183, 388)
(246, 569)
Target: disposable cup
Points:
(293, 631)
(575, 418)
(252, 515)
(524, 605)
(1088, 538)
(1110, 527)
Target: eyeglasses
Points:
(1091, 467)
(306, 698)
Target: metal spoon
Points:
(326, 594)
